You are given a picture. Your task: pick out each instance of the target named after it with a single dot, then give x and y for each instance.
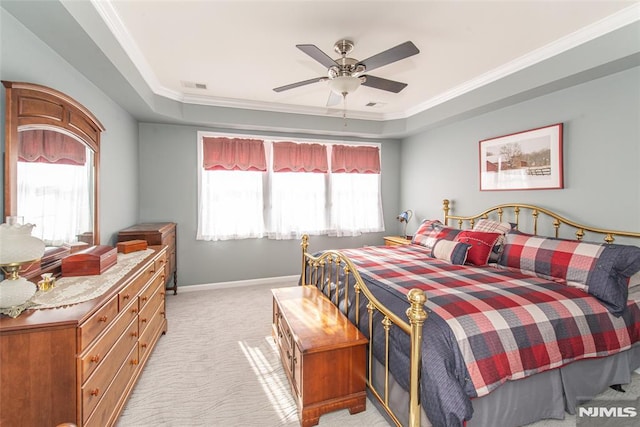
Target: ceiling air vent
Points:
(374, 104)
(193, 85)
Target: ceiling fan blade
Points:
(334, 99)
(394, 54)
(314, 52)
(383, 84)
(298, 84)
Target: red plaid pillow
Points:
(490, 226)
(481, 244)
(432, 230)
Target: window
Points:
(283, 189)
(54, 187)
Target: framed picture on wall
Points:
(528, 160)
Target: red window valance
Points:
(45, 146)
(293, 157)
(233, 154)
(355, 159)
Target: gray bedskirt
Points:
(545, 395)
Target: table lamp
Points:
(404, 218)
(17, 248)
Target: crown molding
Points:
(611, 23)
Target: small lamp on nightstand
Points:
(17, 247)
(404, 218)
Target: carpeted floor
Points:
(217, 366)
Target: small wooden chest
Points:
(131, 246)
(90, 262)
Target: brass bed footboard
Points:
(331, 272)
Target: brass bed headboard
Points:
(511, 212)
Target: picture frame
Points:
(527, 160)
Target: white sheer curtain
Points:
(356, 205)
(296, 193)
(298, 204)
(55, 197)
(231, 205)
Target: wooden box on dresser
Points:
(323, 353)
(79, 363)
(157, 233)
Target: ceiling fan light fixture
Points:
(344, 85)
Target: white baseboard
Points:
(268, 281)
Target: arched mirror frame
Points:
(32, 105)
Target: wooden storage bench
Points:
(324, 355)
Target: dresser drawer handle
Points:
(143, 345)
(126, 296)
(95, 359)
(134, 361)
(94, 392)
(134, 311)
(103, 319)
(143, 320)
(144, 299)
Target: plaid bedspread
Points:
(500, 325)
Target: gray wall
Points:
(168, 192)
(601, 156)
(26, 58)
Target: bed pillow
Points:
(450, 251)
(491, 226)
(601, 269)
(481, 244)
(432, 230)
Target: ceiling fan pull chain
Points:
(344, 108)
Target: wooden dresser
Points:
(323, 354)
(79, 363)
(157, 233)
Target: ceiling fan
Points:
(345, 75)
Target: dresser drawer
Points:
(151, 290)
(162, 265)
(150, 334)
(129, 293)
(97, 323)
(99, 382)
(94, 356)
(106, 409)
(146, 314)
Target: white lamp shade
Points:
(17, 245)
(344, 84)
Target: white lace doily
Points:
(74, 290)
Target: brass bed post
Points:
(445, 208)
(305, 246)
(417, 316)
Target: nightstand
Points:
(396, 240)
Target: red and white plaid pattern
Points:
(507, 325)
